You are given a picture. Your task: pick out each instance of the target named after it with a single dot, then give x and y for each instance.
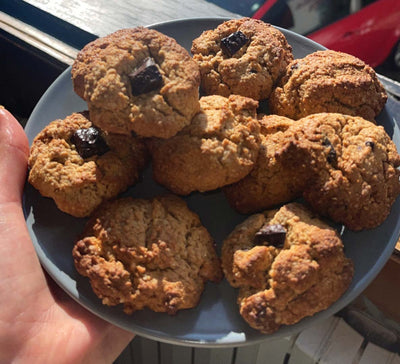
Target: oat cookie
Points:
(352, 166)
(137, 80)
(328, 81)
(288, 264)
(80, 166)
(241, 56)
(269, 183)
(219, 147)
(147, 253)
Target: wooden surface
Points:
(101, 17)
(330, 342)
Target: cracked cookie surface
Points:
(288, 264)
(352, 166)
(219, 147)
(77, 184)
(252, 70)
(147, 253)
(102, 76)
(269, 183)
(328, 81)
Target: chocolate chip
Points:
(370, 144)
(232, 43)
(274, 234)
(145, 78)
(332, 156)
(88, 142)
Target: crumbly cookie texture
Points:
(352, 166)
(77, 184)
(270, 183)
(253, 69)
(147, 253)
(103, 75)
(288, 264)
(328, 81)
(219, 147)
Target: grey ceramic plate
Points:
(216, 321)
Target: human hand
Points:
(39, 323)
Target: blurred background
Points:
(367, 29)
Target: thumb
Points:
(14, 149)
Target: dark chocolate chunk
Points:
(271, 235)
(145, 78)
(331, 157)
(88, 142)
(370, 144)
(232, 43)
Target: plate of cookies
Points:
(213, 182)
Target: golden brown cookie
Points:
(80, 166)
(137, 80)
(147, 253)
(288, 265)
(269, 183)
(241, 56)
(328, 81)
(352, 166)
(219, 147)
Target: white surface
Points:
(312, 340)
(342, 346)
(269, 352)
(375, 354)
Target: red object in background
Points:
(369, 34)
(368, 29)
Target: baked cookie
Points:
(352, 166)
(219, 147)
(147, 253)
(288, 265)
(137, 80)
(328, 81)
(269, 183)
(241, 56)
(79, 166)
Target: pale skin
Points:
(38, 322)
